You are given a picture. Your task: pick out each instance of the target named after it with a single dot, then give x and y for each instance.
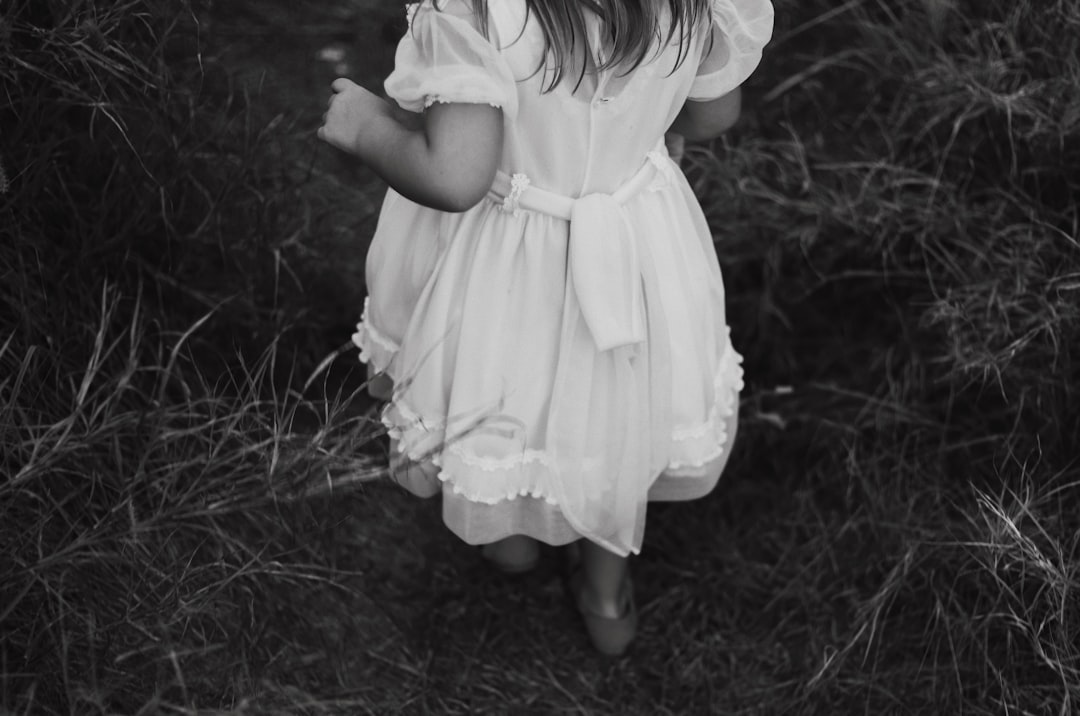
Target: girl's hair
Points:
(633, 27)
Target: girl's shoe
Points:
(610, 636)
(513, 555)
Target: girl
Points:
(543, 289)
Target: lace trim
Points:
(366, 335)
(411, 420)
(704, 459)
(439, 99)
(512, 203)
(509, 497)
(722, 409)
(494, 464)
(727, 384)
(695, 432)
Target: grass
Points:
(151, 466)
(182, 432)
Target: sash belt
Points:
(604, 263)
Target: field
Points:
(193, 518)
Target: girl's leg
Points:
(601, 587)
(605, 586)
(513, 554)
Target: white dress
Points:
(559, 352)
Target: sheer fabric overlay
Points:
(740, 30)
(559, 353)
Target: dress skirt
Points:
(556, 363)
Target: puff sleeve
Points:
(443, 58)
(740, 29)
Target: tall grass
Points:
(900, 231)
(154, 434)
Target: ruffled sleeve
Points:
(741, 28)
(443, 58)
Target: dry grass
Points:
(897, 220)
(155, 443)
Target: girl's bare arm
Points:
(446, 161)
(705, 120)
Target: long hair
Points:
(633, 26)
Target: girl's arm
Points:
(445, 160)
(705, 120)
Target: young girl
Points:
(543, 288)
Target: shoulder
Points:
(739, 28)
(742, 13)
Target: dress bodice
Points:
(611, 119)
(577, 137)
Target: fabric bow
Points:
(606, 272)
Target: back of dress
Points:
(579, 137)
(559, 352)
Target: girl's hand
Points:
(352, 114)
